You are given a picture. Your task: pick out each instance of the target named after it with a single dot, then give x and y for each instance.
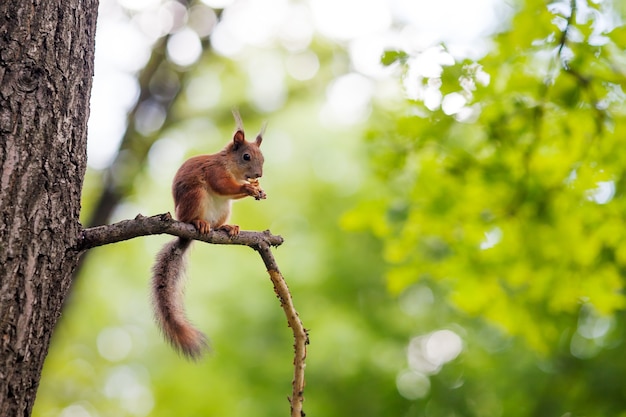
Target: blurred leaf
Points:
(391, 57)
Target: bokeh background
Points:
(449, 180)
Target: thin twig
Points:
(300, 334)
(259, 241)
(568, 25)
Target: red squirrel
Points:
(203, 190)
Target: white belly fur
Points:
(216, 209)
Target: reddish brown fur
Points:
(221, 174)
(202, 190)
(167, 298)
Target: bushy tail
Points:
(167, 296)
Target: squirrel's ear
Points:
(239, 137)
(259, 137)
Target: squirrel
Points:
(203, 189)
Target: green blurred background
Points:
(449, 181)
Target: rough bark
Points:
(46, 68)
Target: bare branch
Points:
(300, 334)
(163, 223)
(259, 241)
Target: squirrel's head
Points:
(246, 157)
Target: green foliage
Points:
(515, 203)
(513, 208)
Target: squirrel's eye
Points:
(246, 157)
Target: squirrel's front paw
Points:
(260, 194)
(254, 190)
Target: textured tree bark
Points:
(46, 67)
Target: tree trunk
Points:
(46, 68)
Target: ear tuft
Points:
(239, 137)
(238, 120)
(259, 137)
